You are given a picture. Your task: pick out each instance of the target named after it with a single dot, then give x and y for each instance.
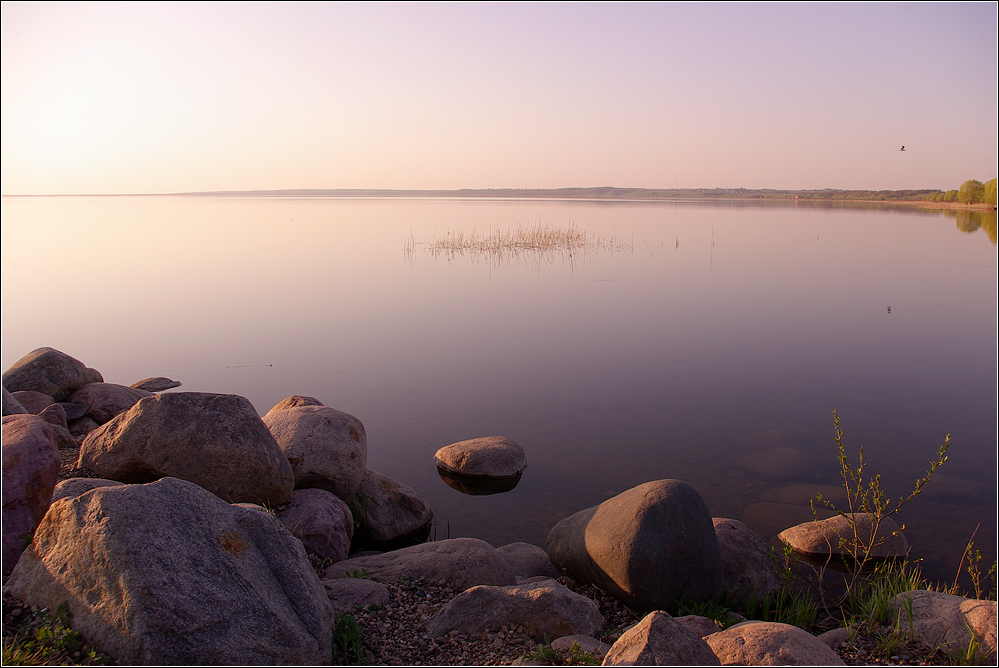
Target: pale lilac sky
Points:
(130, 98)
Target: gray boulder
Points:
(490, 456)
(349, 594)
(327, 449)
(157, 384)
(31, 466)
(837, 536)
(33, 402)
(48, 371)
(544, 609)
(80, 427)
(747, 566)
(294, 401)
(216, 441)
(770, 644)
(659, 640)
(167, 573)
(948, 622)
(321, 521)
(528, 561)
(387, 509)
(647, 546)
(105, 400)
(74, 487)
(12, 406)
(459, 563)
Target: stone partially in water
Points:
(157, 384)
(839, 536)
(490, 456)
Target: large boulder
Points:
(847, 536)
(545, 609)
(948, 622)
(11, 406)
(33, 402)
(216, 441)
(105, 400)
(156, 384)
(74, 487)
(327, 449)
(321, 521)
(770, 644)
(50, 372)
(167, 573)
(31, 466)
(647, 546)
(659, 640)
(528, 561)
(294, 401)
(490, 456)
(387, 509)
(748, 568)
(459, 563)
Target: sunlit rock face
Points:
(490, 456)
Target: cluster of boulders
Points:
(191, 542)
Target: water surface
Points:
(706, 342)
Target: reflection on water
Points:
(708, 342)
(478, 485)
(970, 222)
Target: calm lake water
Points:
(708, 342)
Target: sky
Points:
(161, 98)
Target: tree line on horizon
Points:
(971, 191)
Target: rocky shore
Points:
(181, 527)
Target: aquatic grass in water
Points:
(536, 242)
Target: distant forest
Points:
(970, 192)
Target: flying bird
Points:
(903, 148)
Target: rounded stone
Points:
(490, 456)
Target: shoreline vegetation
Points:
(976, 196)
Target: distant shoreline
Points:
(826, 196)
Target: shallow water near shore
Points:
(708, 342)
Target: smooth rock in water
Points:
(804, 494)
(74, 487)
(647, 546)
(528, 561)
(349, 594)
(327, 449)
(589, 644)
(294, 401)
(824, 537)
(12, 406)
(388, 509)
(82, 426)
(167, 573)
(33, 402)
(157, 384)
(770, 644)
(747, 566)
(322, 521)
(48, 371)
(544, 609)
(31, 466)
(659, 640)
(702, 626)
(459, 562)
(491, 456)
(948, 622)
(216, 441)
(105, 400)
(777, 462)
